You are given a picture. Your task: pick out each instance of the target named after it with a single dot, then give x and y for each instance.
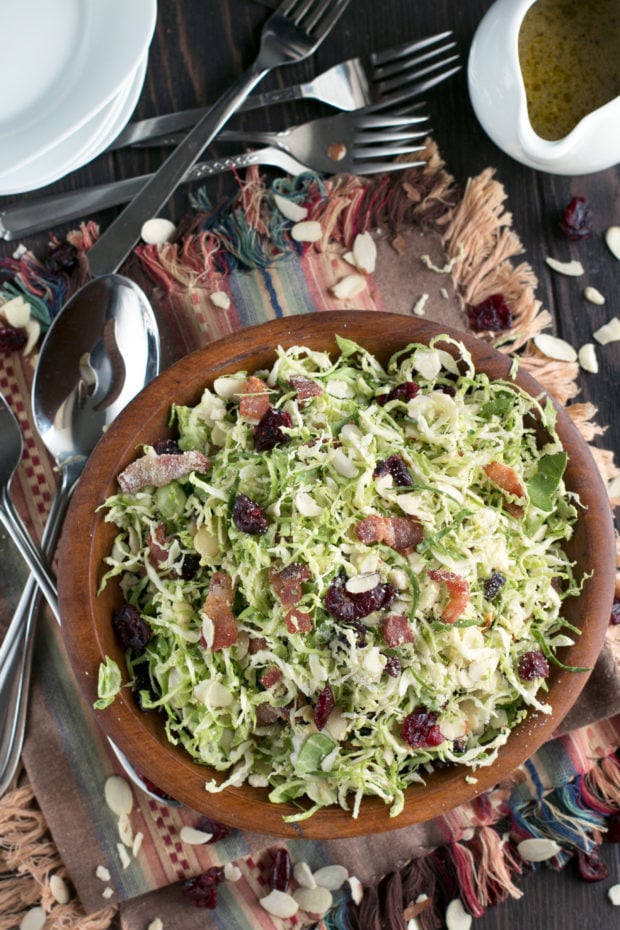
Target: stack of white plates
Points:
(72, 73)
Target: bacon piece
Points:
(458, 593)
(396, 630)
(266, 714)
(298, 621)
(159, 470)
(305, 387)
(506, 479)
(400, 533)
(270, 676)
(254, 402)
(156, 542)
(287, 583)
(218, 608)
(256, 644)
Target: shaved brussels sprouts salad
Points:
(340, 575)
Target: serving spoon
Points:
(100, 351)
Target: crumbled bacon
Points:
(218, 608)
(304, 387)
(156, 542)
(396, 630)
(506, 479)
(400, 533)
(254, 401)
(270, 676)
(458, 593)
(256, 644)
(287, 583)
(159, 470)
(298, 621)
(266, 714)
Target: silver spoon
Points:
(101, 350)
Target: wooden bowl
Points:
(86, 615)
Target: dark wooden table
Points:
(199, 47)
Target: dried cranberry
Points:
(348, 607)
(189, 566)
(166, 447)
(325, 703)
(614, 618)
(591, 866)
(492, 315)
(576, 220)
(392, 666)
(420, 729)
(395, 466)
(62, 258)
(281, 870)
(533, 665)
(12, 339)
(248, 516)
(493, 585)
(130, 628)
(268, 431)
(203, 888)
(217, 830)
(404, 392)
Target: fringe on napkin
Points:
(28, 860)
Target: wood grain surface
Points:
(200, 46)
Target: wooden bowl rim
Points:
(139, 735)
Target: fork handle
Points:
(28, 550)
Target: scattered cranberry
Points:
(12, 339)
(166, 447)
(420, 729)
(217, 830)
(203, 888)
(591, 866)
(281, 870)
(492, 315)
(189, 566)
(62, 258)
(493, 585)
(348, 607)
(395, 466)
(324, 705)
(533, 665)
(404, 392)
(248, 516)
(614, 619)
(268, 432)
(130, 628)
(576, 220)
(392, 666)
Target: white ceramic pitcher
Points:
(498, 97)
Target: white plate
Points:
(82, 146)
(62, 62)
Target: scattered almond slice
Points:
(136, 846)
(59, 889)
(609, 332)
(107, 892)
(279, 904)
(289, 209)
(123, 855)
(307, 231)
(102, 873)
(613, 894)
(587, 358)
(348, 287)
(33, 329)
(359, 584)
(538, 849)
(194, 837)
(555, 348)
(16, 312)
(365, 253)
(612, 238)
(158, 230)
(33, 919)
(232, 872)
(315, 901)
(118, 795)
(125, 830)
(593, 296)
(303, 874)
(357, 889)
(573, 268)
(220, 299)
(331, 876)
(156, 924)
(349, 258)
(457, 917)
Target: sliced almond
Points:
(136, 846)
(556, 348)
(349, 258)
(220, 299)
(587, 358)
(33, 919)
(303, 874)
(289, 209)
(610, 332)
(365, 253)
(357, 889)
(59, 889)
(331, 876)
(107, 892)
(228, 386)
(194, 837)
(613, 894)
(612, 238)
(279, 904)
(232, 872)
(156, 924)
(33, 329)
(123, 855)
(306, 505)
(102, 873)
(359, 584)
(157, 231)
(307, 231)
(125, 830)
(349, 286)
(538, 849)
(593, 296)
(118, 795)
(573, 268)
(16, 312)
(457, 917)
(315, 901)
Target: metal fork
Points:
(350, 85)
(364, 139)
(292, 33)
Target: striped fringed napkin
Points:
(439, 248)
